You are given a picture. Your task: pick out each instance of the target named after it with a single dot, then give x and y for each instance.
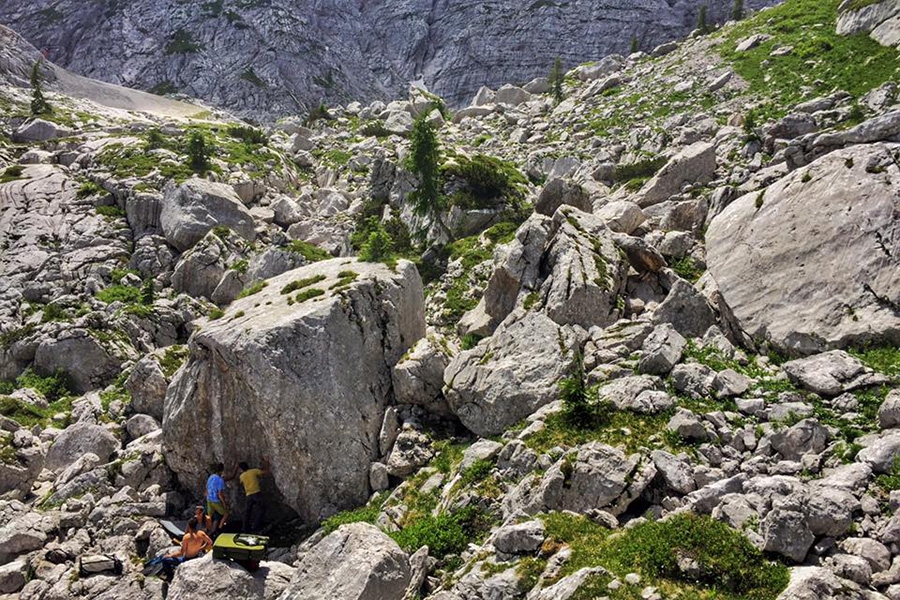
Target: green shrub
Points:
(120, 293)
(638, 170)
(310, 252)
(87, 189)
(486, 179)
(424, 161)
(378, 247)
(12, 173)
(302, 283)
(318, 113)
(479, 471)
(309, 294)
(374, 129)
(155, 139)
(470, 340)
(53, 387)
(727, 560)
(54, 312)
(216, 313)
(198, 151)
(110, 212)
(248, 135)
(254, 289)
(447, 533)
(364, 514)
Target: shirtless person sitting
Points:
(193, 544)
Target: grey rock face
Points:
(285, 56)
(694, 164)
(516, 372)
(225, 580)
(831, 373)
(356, 562)
(78, 440)
(191, 210)
(787, 288)
(419, 377)
(256, 377)
(523, 538)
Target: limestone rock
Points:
(419, 377)
(774, 264)
(191, 210)
(559, 192)
(831, 373)
(77, 440)
(226, 580)
(695, 164)
(661, 351)
(255, 377)
(356, 562)
(502, 381)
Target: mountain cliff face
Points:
(277, 57)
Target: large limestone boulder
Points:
(356, 562)
(88, 362)
(812, 265)
(78, 440)
(226, 580)
(508, 377)
(587, 273)
(191, 210)
(695, 164)
(303, 380)
(831, 373)
(419, 377)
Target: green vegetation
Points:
(310, 252)
(126, 162)
(635, 45)
(88, 189)
(702, 25)
(128, 294)
(39, 104)
(557, 78)
(737, 11)
(254, 289)
(302, 283)
(216, 314)
(13, 173)
(309, 294)
(363, 514)
(687, 269)
(110, 212)
(486, 179)
(54, 388)
(725, 565)
(890, 482)
(199, 152)
(172, 359)
(53, 313)
(378, 248)
(248, 135)
(884, 359)
(640, 170)
(582, 408)
(821, 60)
(182, 42)
(317, 114)
(444, 534)
(424, 161)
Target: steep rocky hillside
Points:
(266, 58)
(634, 337)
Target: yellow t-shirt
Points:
(250, 481)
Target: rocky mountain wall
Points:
(276, 57)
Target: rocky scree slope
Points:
(270, 58)
(570, 391)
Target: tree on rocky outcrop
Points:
(39, 104)
(635, 44)
(424, 161)
(702, 25)
(198, 151)
(557, 77)
(737, 12)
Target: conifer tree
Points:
(424, 161)
(39, 105)
(737, 13)
(701, 20)
(198, 152)
(557, 77)
(635, 45)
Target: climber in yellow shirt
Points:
(254, 504)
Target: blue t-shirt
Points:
(214, 486)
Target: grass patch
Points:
(128, 294)
(820, 63)
(310, 252)
(110, 212)
(172, 359)
(444, 534)
(364, 514)
(13, 173)
(254, 289)
(724, 564)
(302, 283)
(309, 294)
(884, 359)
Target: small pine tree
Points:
(148, 293)
(378, 247)
(198, 152)
(737, 13)
(39, 105)
(702, 25)
(557, 78)
(424, 161)
(635, 45)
